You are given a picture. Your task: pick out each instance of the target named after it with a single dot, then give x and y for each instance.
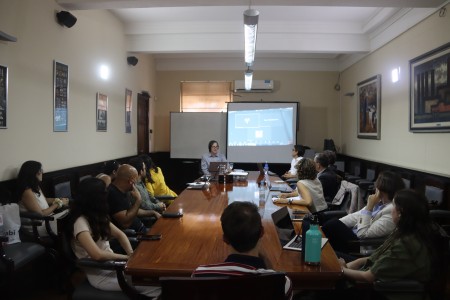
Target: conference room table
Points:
(196, 238)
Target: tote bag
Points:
(10, 217)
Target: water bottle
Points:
(266, 168)
(313, 243)
(262, 197)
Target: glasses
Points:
(216, 147)
(41, 171)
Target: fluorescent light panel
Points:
(248, 79)
(250, 28)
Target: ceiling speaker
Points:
(65, 18)
(132, 60)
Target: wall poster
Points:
(60, 96)
(102, 112)
(128, 109)
(430, 91)
(369, 108)
(3, 96)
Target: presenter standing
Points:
(213, 155)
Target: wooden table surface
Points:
(196, 239)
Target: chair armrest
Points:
(35, 219)
(35, 216)
(104, 265)
(165, 197)
(369, 241)
(291, 180)
(329, 214)
(404, 285)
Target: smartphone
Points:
(177, 214)
(150, 237)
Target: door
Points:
(142, 123)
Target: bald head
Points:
(125, 178)
(125, 172)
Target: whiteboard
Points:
(190, 133)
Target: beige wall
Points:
(96, 38)
(422, 151)
(319, 102)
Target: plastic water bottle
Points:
(262, 197)
(266, 168)
(313, 247)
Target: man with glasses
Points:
(212, 156)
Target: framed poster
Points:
(102, 112)
(128, 109)
(60, 96)
(3, 97)
(430, 91)
(369, 108)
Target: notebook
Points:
(286, 233)
(285, 230)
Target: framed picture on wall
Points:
(128, 109)
(60, 96)
(369, 108)
(3, 96)
(102, 112)
(430, 91)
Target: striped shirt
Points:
(234, 266)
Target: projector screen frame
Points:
(255, 154)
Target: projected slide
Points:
(261, 131)
(265, 127)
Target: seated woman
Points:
(407, 253)
(109, 171)
(373, 221)
(213, 155)
(309, 189)
(297, 154)
(32, 199)
(156, 179)
(90, 230)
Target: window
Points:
(206, 96)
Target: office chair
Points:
(269, 286)
(85, 291)
(62, 186)
(14, 258)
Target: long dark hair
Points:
(27, 178)
(90, 202)
(150, 165)
(414, 220)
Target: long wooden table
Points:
(196, 239)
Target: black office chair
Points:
(85, 291)
(269, 286)
(62, 186)
(14, 258)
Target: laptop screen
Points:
(283, 224)
(214, 167)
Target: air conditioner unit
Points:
(258, 86)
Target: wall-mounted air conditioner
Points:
(258, 86)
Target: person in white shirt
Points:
(373, 221)
(297, 154)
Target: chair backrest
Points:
(268, 286)
(62, 186)
(370, 174)
(309, 153)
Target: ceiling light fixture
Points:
(248, 79)
(250, 28)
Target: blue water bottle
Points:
(313, 243)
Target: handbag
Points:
(10, 218)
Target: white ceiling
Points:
(292, 35)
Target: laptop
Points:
(214, 167)
(285, 229)
(286, 233)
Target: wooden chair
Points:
(268, 286)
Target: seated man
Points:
(148, 201)
(124, 214)
(242, 231)
(330, 181)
